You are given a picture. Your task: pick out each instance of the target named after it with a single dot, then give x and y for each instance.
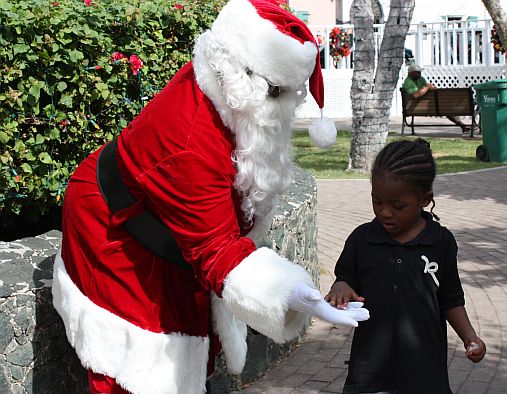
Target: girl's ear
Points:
(427, 198)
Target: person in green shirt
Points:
(416, 86)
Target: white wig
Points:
(260, 123)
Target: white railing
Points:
(454, 43)
(436, 43)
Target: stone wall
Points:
(35, 356)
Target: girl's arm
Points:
(344, 288)
(458, 319)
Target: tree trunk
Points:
(372, 89)
(499, 17)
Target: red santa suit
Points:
(137, 318)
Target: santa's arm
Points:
(275, 297)
(268, 292)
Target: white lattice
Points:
(337, 85)
(337, 104)
(461, 76)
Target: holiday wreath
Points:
(339, 44)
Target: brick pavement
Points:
(474, 206)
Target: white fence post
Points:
(326, 49)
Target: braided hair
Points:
(409, 161)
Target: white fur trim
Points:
(257, 290)
(260, 46)
(141, 361)
(323, 132)
(232, 333)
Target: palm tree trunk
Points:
(372, 88)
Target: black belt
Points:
(144, 227)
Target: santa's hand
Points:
(308, 300)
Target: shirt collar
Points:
(429, 236)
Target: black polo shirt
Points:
(403, 346)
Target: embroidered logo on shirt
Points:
(430, 268)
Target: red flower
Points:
(178, 6)
(55, 3)
(17, 178)
(88, 2)
(135, 64)
(117, 56)
(335, 32)
(98, 67)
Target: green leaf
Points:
(75, 55)
(64, 40)
(32, 57)
(61, 86)
(26, 168)
(45, 158)
(29, 156)
(19, 146)
(5, 158)
(35, 92)
(20, 48)
(39, 139)
(103, 89)
(4, 137)
(54, 133)
(66, 100)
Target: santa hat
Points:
(277, 45)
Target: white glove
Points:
(308, 300)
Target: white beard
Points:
(262, 156)
(260, 123)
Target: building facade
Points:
(329, 12)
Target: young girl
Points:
(404, 266)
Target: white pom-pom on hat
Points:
(323, 132)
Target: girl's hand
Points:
(307, 299)
(475, 349)
(340, 295)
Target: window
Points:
(303, 15)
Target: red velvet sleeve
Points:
(194, 197)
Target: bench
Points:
(440, 102)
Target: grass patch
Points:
(451, 155)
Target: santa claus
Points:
(158, 268)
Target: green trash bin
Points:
(492, 98)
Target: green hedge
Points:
(63, 94)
